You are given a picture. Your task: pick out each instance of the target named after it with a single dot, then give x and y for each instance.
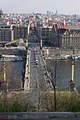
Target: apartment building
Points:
(9, 33)
(61, 37)
(20, 32)
(5, 33)
(70, 39)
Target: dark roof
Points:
(61, 30)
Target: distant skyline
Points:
(30, 6)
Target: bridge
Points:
(12, 51)
(12, 43)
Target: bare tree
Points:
(53, 74)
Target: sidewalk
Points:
(27, 73)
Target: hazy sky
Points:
(29, 6)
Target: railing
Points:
(39, 116)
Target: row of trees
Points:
(65, 102)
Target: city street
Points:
(38, 80)
(37, 71)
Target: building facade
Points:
(62, 38)
(20, 32)
(9, 33)
(70, 39)
(5, 33)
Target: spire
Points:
(1, 13)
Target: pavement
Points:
(27, 73)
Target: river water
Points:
(64, 73)
(13, 72)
